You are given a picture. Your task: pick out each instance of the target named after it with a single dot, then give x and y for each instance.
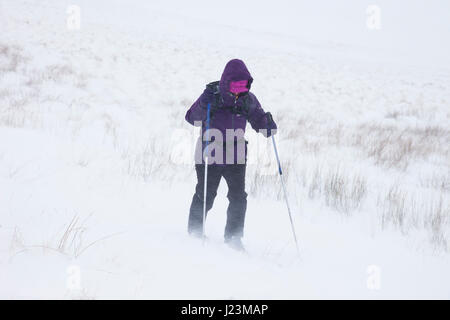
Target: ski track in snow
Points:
(84, 114)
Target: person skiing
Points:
(232, 105)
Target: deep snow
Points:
(92, 128)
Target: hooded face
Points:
(235, 71)
(240, 86)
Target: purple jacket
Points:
(224, 118)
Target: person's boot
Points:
(196, 234)
(235, 243)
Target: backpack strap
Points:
(214, 86)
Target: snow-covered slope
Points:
(95, 156)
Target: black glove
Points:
(211, 95)
(270, 123)
(271, 126)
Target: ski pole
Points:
(285, 194)
(206, 171)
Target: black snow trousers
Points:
(234, 175)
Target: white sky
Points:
(419, 29)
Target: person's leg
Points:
(235, 178)
(195, 222)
